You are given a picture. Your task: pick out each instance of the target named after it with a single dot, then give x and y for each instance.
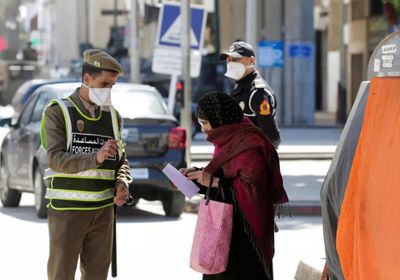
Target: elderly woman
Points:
(245, 164)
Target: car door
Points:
(14, 144)
(27, 139)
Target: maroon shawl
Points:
(248, 157)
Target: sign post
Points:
(167, 57)
(186, 42)
(178, 52)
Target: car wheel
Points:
(40, 190)
(8, 197)
(173, 204)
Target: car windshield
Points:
(134, 103)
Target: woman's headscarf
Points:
(219, 109)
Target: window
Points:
(27, 112)
(357, 9)
(376, 8)
(41, 103)
(132, 103)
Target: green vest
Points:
(90, 189)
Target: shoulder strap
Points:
(68, 128)
(116, 129)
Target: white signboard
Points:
(169, 61)
(167, 54)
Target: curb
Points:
(282, 156)
(297, 208)
(305, 208)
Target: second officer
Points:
(252, 93)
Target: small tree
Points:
(394, 3)
(392, 10)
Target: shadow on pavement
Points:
(124, 215)
(299, 181)
(26, 213)
(298, 222)
(128, 214)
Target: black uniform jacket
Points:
(258, 102)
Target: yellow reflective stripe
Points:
(82, 114)
(50, 205)
(75, 195)
(114, 120)
(102, 174)
(67, 119)
(42, 131)
(117, 134)
(77, 177)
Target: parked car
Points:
(160, 81)
(152, 136)
(23, 93)
(195, 128)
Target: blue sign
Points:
(169, 26)
(304, 50)
(270, 54)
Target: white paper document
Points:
(186, 186)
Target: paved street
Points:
(150, 246)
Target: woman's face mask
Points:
(99, 96)
(236, 70)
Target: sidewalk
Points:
(297, 143)
(305, 155)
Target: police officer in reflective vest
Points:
(252, 93)
(88, 173)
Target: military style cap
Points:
(101, 60)
(238, 49)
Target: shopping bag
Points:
(212, 237)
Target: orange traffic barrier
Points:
(368, 237)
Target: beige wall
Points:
(232, 21)
(357, 53)
(64, 36)
(358, 36)
(335, 25)
(65, 20)
(99, 24)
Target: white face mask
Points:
(236, 70)
(99, 96)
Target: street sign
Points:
(169, 26)
(298, 50)
(167, 57)
(169, 61)
(270, 54)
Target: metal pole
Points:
(134, 50)
(251, 22)
(114, 246)
(172, 93)
(115, 13)
(186, 112)
(87, 21)
(216, 26)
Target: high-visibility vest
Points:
(89, 189)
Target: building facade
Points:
(324, 42)
(355, 28)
